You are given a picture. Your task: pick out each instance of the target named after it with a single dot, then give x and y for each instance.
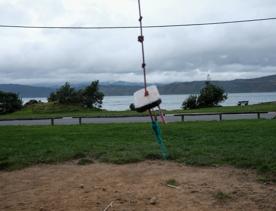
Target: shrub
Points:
(132, 107)
(31, 102)
(65, 95)
(211, 95)
(89, 97)
(190, 102)
(9, 102)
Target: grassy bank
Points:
(249, 144)
(54, 110)
(47, 110)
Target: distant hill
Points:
(263, 84)
(27, 91)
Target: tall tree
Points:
(91, 96)
(9, 102)
(211, 95)
(65, 95)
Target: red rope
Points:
(141, 40)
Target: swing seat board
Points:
(143, 103)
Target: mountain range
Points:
(262, 84)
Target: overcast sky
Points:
(36, 56)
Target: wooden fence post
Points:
(80, 121)
(52, 121)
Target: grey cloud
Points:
(177, 54)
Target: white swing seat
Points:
(143, 103)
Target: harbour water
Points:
(170, 102)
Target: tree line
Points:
(88, 97)
(91, 97)
(9, 102)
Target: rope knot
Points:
(141, 38)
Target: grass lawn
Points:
(246, 143)
(266, 107)
(49, 110)
(53, 110)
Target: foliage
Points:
(65, 95)
(89, 97)
(210, 96)
(190, 102)
(172, 182)
(52, 109)
(221, 196)
(9, 102)
(132, 107)
(32, 102)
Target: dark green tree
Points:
(132, 107)
(190, 102)
(65, 95)
(9, 102)
(91, 97)
(211, 95)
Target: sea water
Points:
(171, 102)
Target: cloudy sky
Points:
(39, 56)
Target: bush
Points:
(31, 102)
(132, 107)
(210, 95)
(65, 95)
(89, 97)
(9, 102)
(190, 102)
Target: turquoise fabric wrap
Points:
(159, 139)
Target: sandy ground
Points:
(141, 186)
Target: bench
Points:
(182, 115)
(243, 103)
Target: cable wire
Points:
(136, 27)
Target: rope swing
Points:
(148, 98)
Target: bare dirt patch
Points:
(151, 185)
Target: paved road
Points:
(169, 118)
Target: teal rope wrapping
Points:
(159, 139)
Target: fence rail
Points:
(220, 114)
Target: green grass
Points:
(221, 196)
(247, 144)
(172, 182)
(49, 110)
(266, 107)
(85, 161)
(54, 110)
